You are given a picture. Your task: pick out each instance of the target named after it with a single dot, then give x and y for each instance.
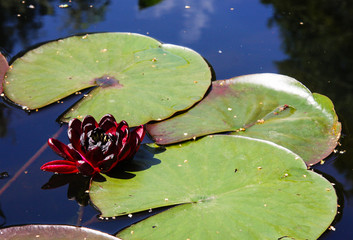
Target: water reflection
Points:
(2, 218)
(20, 21)
(4, 175)
(78, 186)
(4, 117)
(82, 13)
(148, 3)
(195, 17)
(317, 37)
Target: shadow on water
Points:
(78, 186)
(2, 218)
(4, 117)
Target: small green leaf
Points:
(228, 187)
(52, 232)
(266, 106)
(137, 78)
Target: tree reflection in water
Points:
(20, 21)
(317, 37)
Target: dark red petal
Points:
(83, 138)
(123, 155)
(88, 127)
(125, 136)
(109, 126)
(111, 148)
(128, 149)
(86, 168)
(108, 163)
(60, 166)
(122, 126)
(63, 150)
(106, 117)
(74, 138)
(121, 137)
(134, 144)
(75, 124)
(94, 156)
(74, 132)
(140, 131)
(89, 120)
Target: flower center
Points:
(98, 138)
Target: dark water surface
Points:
(311, 41)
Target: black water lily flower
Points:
(95, 147)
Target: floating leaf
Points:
(3, 68)
(52, 232)
(137, 78)
(228, 187)
(267, 106)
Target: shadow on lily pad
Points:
(123, 170)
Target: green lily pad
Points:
(137, 78)
(52, 232)
(266, 106)
(228, 187)
(3, 68)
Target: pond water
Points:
(308, 40)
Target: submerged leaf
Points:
(266, 106)
(228, 187)
(137, 78)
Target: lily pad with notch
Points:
(266, 106)
(221, 187)
(136, 78)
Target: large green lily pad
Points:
(228, 187)
(266, 106)
(3, 68)
(52, 232)
(138, 78)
